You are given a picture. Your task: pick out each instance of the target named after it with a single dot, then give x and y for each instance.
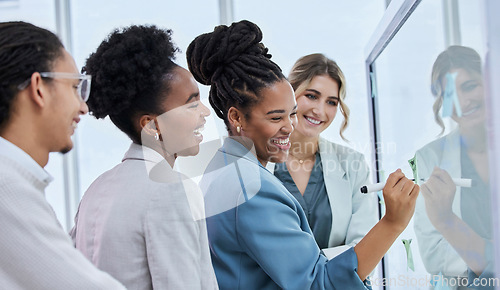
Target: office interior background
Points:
(385, 48)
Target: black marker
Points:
(462, 182)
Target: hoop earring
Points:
(157, 136)
(238, 129)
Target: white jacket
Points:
(353, 213)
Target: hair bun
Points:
(210, 53)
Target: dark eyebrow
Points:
(275, 112)
(279, 111)
(314, 91)
(318, 93)
(192, 96)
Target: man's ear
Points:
(38, 90)
(235, 117)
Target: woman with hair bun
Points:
(142, 222)
(258, 232)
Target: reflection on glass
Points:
(453, 224)
(430, 105)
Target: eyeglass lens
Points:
(84, 89)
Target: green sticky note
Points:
(413, 165)
(409, 255)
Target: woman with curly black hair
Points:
(142, 222)
(258, 232)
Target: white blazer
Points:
(437, 254)
(353, 213)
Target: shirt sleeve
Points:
(36, 252)
(486, 280)
(273, 232)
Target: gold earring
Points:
(238, 129)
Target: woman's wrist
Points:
(393, 225)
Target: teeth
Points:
(281, 141)
(470, 111)
(316, 122)
(197, 131)
(74, 124)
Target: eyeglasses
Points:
(82, 89)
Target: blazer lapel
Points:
(337, 187)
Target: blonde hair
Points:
(317, 64)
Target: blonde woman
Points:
(323, 176)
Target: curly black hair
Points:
(128, 75)
(24, 49)
(234, 62)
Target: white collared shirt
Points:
(16, 154)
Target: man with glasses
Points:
(42, 96)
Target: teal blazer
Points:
(258, 233)
(353, 213)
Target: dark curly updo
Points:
(129, 72)
(236, 65)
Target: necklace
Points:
(301, 161)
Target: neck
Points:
(262, 161)
(303, 147)
(249, 145)
(33, 149)
(159, 147)
(170, 160)
(167, 156)
(475, 140)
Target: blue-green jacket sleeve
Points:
(273, 231)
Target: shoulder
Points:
(436, 148)
(17, 184)
(272, 189)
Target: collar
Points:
(19, 156)
(140, 152)
(158, 169)
(234, 147)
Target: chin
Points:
(308, 132)
(191, 151)
(278, 158)
(66, 149)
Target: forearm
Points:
(374, 245)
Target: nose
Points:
(205, 112)
(318, 109)
(84, 109)
(289, 126)
(463, 97)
